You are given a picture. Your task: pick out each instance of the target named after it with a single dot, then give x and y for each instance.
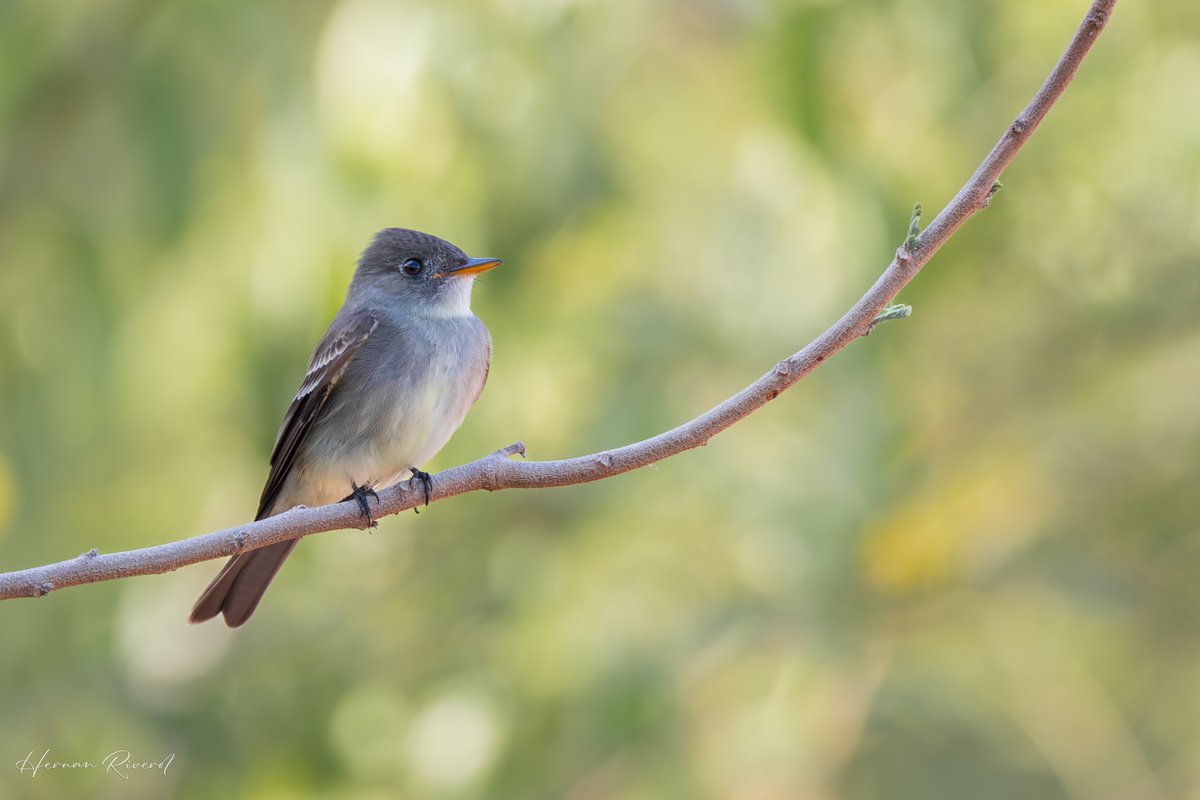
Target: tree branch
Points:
(498, 471)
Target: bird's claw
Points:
(360, 494)
(426, 482)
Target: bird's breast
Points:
(414, 387)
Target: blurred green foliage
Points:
(958, 561)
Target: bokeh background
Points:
(960, 560)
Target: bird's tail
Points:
(238, 588)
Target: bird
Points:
(388, 384)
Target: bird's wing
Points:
(335, 350)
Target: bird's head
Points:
(420, 270)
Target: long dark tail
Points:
(238, 588)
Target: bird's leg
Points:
(361, 493)
(426, 481)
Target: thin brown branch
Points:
(499, 471)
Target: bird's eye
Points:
(412, 267)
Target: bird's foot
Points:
(426, 482)
(361, 493)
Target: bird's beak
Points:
(473, 266)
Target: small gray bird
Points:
(387, 386)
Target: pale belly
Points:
(375, 437)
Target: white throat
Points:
(454, 300)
